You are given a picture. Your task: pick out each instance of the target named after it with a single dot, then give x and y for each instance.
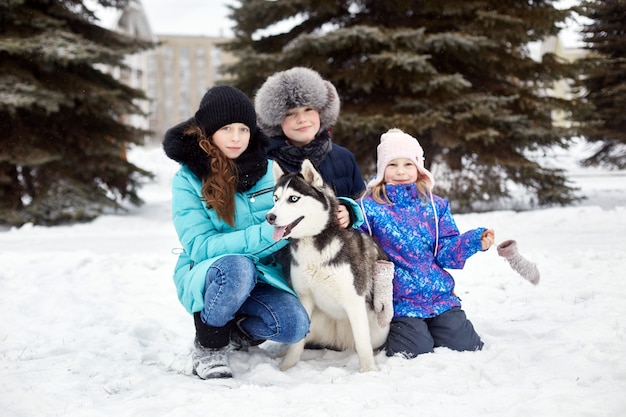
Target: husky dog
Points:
(332, 269)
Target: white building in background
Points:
(174, 76)
(182, 69)
(132, 21)
(561, 88)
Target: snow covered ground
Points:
(90, 325)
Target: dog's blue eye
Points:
(293, 198)
(275, 198)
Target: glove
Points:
(527, 269)
(383, 292)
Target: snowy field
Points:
(90, 325)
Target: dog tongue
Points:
(279, 232)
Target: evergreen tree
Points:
(457, 74)
(62, 136)
(605, 80)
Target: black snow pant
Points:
(410, 336)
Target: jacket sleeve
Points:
(356, 215)
(204, 237)
(358, 185)
(454, 248)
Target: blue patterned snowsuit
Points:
(406, 231)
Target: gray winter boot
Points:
(209, 357)
(210, 363)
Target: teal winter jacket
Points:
(205, 237)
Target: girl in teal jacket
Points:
(227, 275)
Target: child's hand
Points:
(343, 217)
(487, 238)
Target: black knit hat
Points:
(223, 105)
(219, 107)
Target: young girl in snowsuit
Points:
(418, 233)
(226, 275)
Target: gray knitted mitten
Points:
(383, 292)
(527, 269)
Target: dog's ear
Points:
(278, 171)
(311, 175)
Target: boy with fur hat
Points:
(296, 108)
(226, 275)
(417, 231)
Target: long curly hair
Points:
(219, 188)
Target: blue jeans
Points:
(232, 291)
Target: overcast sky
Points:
(189, 17)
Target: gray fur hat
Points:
(295, 87)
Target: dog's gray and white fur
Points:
(332, 269)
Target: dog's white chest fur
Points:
(330, 286)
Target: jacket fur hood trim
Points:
(184, 149)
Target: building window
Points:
(216, 61)
(185, 82)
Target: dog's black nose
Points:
(270, 217)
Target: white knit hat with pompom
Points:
(396, 144)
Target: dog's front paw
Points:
(286, 364)
(292, 356)
(368, 368)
